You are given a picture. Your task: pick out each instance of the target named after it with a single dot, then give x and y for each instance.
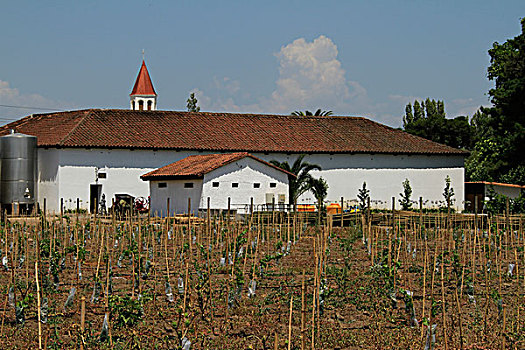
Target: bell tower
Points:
(143, 96)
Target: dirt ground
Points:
(359, 305)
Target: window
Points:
(256, 185)
(133, 105)
(215, 184)
(149, 105)
(235, 184)
(163, 185)
(141, 105)
(273, 185)
(188, 185)
(102, 175)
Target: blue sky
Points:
(353, 57)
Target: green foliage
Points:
(303, 179)
(503, 124)
(497, 203)
(428, 120)
(318, 113)
(448, 192)
(126, 311)
(319, 188)
(363, 195)
(405, 202)
(192, 103)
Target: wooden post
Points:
(393, 211)
(342, 201)
(229, 206)
(189, 216)
(475, 214)
(82, 321)
(38, 306)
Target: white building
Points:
(228, 181)
(84, 153)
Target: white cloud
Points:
(10, 96)
(310, 77)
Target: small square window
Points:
(273, 184)
(215, 184)
(163, 185)
(102, 175)
(256, 185)
(188, 185)
(235, 184)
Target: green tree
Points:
(448, 192)
(319, 188)
(405, 202)
(363, 195)
(318, 113)
(192, 103)
(428, 120)
(505, 122)
(303, 179)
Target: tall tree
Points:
(191, 103)
(505, 121)
(318, 113)
(428, 119)
(303, 179)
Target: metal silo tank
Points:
(18, 153)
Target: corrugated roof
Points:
(228, 132)
(199, 165)
(143, 84)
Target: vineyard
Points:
(270, 281)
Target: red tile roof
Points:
(227, 132)
(143, 85)
(199, 165)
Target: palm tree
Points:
(319, 188)
(318, 113)
(302, 181)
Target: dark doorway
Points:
(95, 192)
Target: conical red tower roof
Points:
(143, 85)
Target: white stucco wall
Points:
(177, 194)
(511, 192)
(245, 172)
(384, 175)
(67, 173)
(48, 163)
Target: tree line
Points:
(495, 136)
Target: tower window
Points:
(133, 105)
(141, 105)
(150, 103)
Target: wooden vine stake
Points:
(303, 313)
(38, 305)
(290, 324)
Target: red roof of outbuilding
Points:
(143, 85)
(221, 132)
(199, 165)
